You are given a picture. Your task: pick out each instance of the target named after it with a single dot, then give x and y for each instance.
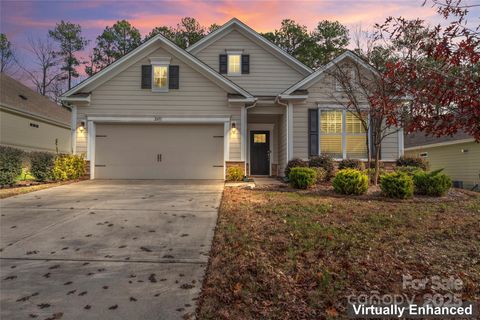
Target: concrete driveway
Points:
(107, 249)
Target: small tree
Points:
(7, 56)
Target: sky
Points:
(21, 20)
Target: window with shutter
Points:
(313, 132)
(245, 63)
(146, 77)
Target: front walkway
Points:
(107, 249)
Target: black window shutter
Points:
(174, 77)
(245, 63)
(313, 132)
(223, 60)
(147, 76)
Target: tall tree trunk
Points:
(377, 164)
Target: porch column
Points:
(73, 129)
(289, 131)
(243, 132)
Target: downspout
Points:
(244, 136)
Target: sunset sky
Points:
(23, 19)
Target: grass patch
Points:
(292, 255)
(15, 191)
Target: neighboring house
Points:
(231, 99)
(30, 121)
(458, 155)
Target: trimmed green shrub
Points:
(409, 170)
(350, 181)
(323, 161)
(42, 164)
(321, 174)
(412, 162)
(432, 183)
(11, 160)
(234, 174)
(302, 178)
(294, 163)
(397, 185)
(68, 167)
(351, 164)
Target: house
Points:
(231, 99)
(458, 155)
(30, 121)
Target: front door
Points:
(259, 152)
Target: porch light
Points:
(234, 125)
(81, 127)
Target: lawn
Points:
(298, 255)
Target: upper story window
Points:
(160, 67)
(234, 64)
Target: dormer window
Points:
(234, 64)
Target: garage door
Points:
(144, 151)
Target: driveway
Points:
(107, 249)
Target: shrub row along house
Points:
(231, 99)
(30, 121)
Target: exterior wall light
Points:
(234, 125)
(82, 126)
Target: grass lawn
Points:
(298, 255)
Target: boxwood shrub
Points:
(11, 160)
(397, 185)
(432, 183)
(302, 178)
(321, 174)
(351, 164)
(41, 165)
(412, 162)
(234, 174)
(68, 167)
(350, 181)
(323, 161)
(294, 163)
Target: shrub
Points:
(321, 174)
(371, 173)
(234, 174)
(397, 185)
(323, 161)
(294, 163)
(351, 164)
(68, 167)
(350, 181)
(11, 160)
(432, 183)
(42, 164)
(302, 178)
(412, 162)
(409, 170)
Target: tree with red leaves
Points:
(437, 68)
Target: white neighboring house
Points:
(30, 121)
(231, 99)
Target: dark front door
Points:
(259, 152)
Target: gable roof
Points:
(18, 97)
(252, 34)
(125, 61)
(312, 78)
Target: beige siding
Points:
(15, 131)
(324, 95)
(197, 96)
(268, 74)
(282, 144)
(460, 166)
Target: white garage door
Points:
(144, 151)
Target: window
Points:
(160, 78)
(259, 138)
(342, 135)
(234, 64)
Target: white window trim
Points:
(344, 133)
(234, 53)
(160, 62)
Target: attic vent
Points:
(22, 96)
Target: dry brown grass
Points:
(297, 255)
(15, 191)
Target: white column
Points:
(91, 147)
(226, 146)
(344, 134)
(243, 130)
(73, 129)
(289, 131)
(401, 147)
